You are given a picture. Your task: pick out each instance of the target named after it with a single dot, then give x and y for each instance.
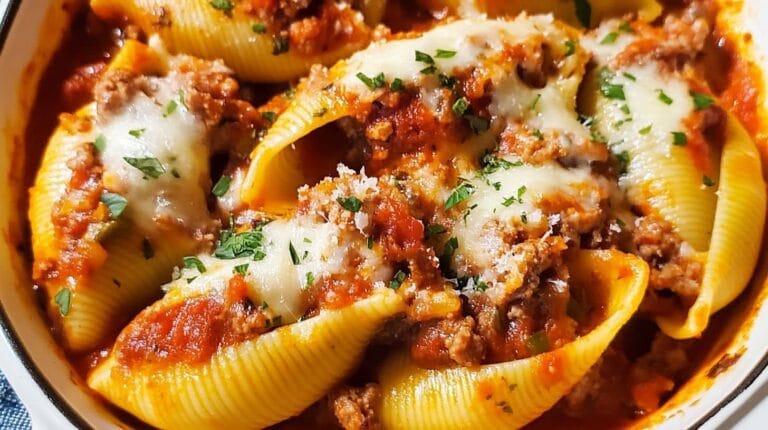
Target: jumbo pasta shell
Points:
(124, 282)
(256, 383)
(739, 222)
(510, 395)
(275, 173)
(195, 27)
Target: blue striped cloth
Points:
(13, 415)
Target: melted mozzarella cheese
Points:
(144, 129)
(321, 250)
(475, 43)
(509, 199)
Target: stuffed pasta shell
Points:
(121, 194)
(283, 310)
(261, 41)
(665, 128)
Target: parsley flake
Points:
(269, 116)
(100, 143)
(708, 182)
(609, 38)
(608, 89)
(294, 255)
(629, 76)
(225, 6)
(137, 132)
(63, 298)
(194, 263)
(351, 203)
(259, 28)
(667, 100)
(170, 108)
(679, 138)
(150, 166)
(646, 130)
(241, 269)
(396, 85)
(114, 202)
(459, 194)
(222, 186)
(372, 83)
(423, 57)
(397, 280)
(701, 100)
(570, 48)
(310, 279)
(435, 230)
(246, 244)
(450, 247)
(460, 106)
(444, 53)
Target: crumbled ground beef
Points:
(446, 342)
(672, 271)
(354, 407)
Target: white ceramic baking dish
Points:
(29, 34)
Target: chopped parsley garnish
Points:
(310, 279)
(608, 89)
(294, 255)
(537, 134)
(623, 158)
(396, 85)
(222, 186)
(625, 110)
(320, 112)
(667, 100)
(170, 108)
(175, 173)
(150, 166)
(570, 48)
(114, 202)
(235, 245)
(583, 11)
(708, 182)
(459, 194)
(269, 116)
(370, 242)
(397, 280)
(701, 100)
(450, 247)
(63, 299)
(535, 101)
(100, 143)
(137, 132)
(279, 44)
(274, 322)
(435, 230)
(423, 57)
(505, 407)
(445, 53)
(460, 106)
(524, 217)
(478, 124)
(646, 130)
(225, 6)
(241, 269)
(538, 343)
(609, 38)
(509, 201)
(372, 83)
(629, 76)
(259, 28)
(429, 70)
(146, 249)
(194, 263)
(351, 203)
(491, 164)
(626, 27)
(679, 138)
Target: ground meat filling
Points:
(354, 407)
(192, 330)
(675, 277)
(78, 215)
